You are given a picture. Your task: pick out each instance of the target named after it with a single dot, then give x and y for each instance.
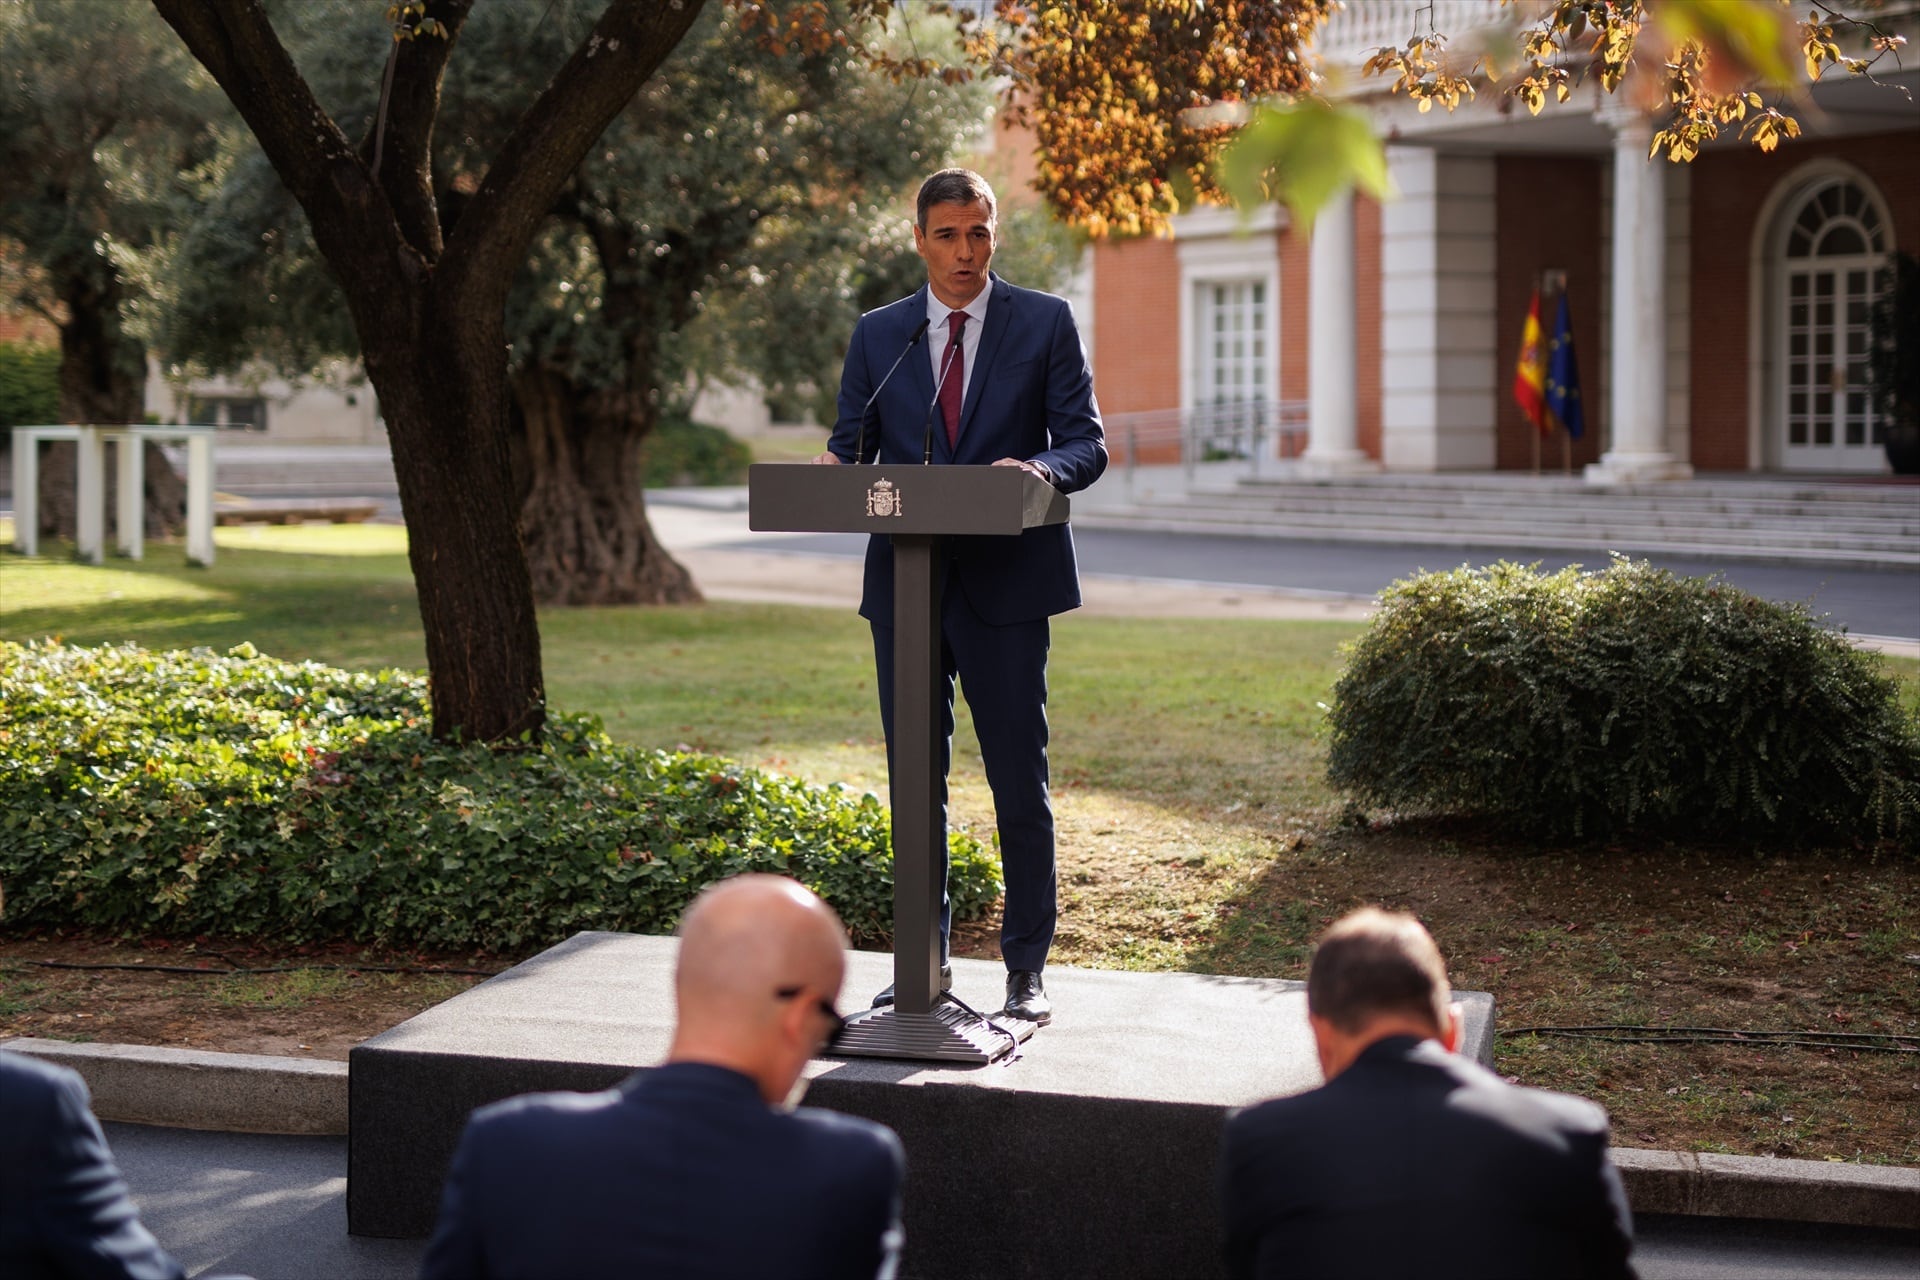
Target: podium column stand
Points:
(916, 507)
(919, 814)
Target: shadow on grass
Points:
(1638, 932)
(352, 611)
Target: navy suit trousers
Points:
(1002, 672)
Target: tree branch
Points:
(236, 43)
(402, 134)
(631, 39)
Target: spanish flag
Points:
(1530, 376)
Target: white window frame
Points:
(1215, 247)
(1768, 268)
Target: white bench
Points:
(90, 485)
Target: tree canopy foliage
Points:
(1142, 107)
(108, 142)
(1699, 65)
(1125, 99)
(107, 137)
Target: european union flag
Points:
(1563, 375)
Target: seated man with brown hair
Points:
(1412, 1160)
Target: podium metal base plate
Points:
(948, 1034)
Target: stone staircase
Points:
(1871, 522)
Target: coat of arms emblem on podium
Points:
(883, 499)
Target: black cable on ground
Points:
(1619, 1033)
(951, 998)
(288, 968)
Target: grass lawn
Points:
(1196, 831)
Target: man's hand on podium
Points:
(1037, 468)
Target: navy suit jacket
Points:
(680, 1171)
(1029, 396)
(1417, 1162)
(64, 1209)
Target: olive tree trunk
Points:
(584, 518)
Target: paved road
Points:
(1868, 602)
(275, 1209)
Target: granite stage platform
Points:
(1090, 1153)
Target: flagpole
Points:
(1554, 283)
(1534, 425)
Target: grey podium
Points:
(916, 506)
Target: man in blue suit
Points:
(1004, 382)
(694, 1169)
(64, 1208)
(1377, 1173)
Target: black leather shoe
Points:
(1027, 997)
(885, 998)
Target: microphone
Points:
(860, 440)
(946, 363)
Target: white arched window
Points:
(1836, 241)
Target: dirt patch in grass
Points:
(333, 998)
(1645, 936)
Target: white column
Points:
(26, 491)
(90, 498)
(1638, 350)
(200, 498)
(1333, 423)
(130, 482)
(1439, 375)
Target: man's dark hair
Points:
(1376, 962)
(954, 186)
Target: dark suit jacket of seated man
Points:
(1412, 1161)
(1028, 401)
(681, 1171)
(64, 1209)
(691, 1170)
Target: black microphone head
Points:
(860, 440)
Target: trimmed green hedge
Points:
(683, 452)
(188, 793)
(1589, 704)
(29, 385)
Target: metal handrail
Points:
(1250, 430)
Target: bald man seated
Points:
(1412, 1160)
(696, 1168)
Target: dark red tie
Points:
(955, 364)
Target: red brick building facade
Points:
(1728, 341)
